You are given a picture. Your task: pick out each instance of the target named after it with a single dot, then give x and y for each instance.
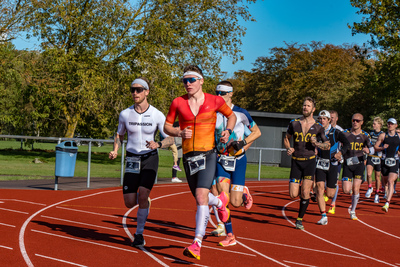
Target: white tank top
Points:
(141, 127)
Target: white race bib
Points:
(196, 163)
(132, 165)
(390, 162)
(323, 164)
(227, 162)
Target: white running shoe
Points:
(176, 180)
(369, 192)
(323, 221)
(353, 216)
(376, 200)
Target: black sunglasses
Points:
(190, 80)
(137, 89)
(221, 93)
(355, 120)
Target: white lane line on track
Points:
(379, 230)
(29, 202)
(330, 242)
(16, 211)
(89, 212)
(27, 221)
(23, 201)
(59, 260)
(84, 241)
(203, 246)
(301, 264)
(297, 247)
(131, 236)
(80, 223)
(184, 262)
(6, 247)
(9, 225)
(262, 255)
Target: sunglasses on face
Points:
(190, 80)
(221, 93)
(137, 89)
(355, 120)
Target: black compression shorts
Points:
(303, 169)
(203, 178)
(147, 175)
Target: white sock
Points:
(354, 201)
(198, 241)
(141, 220)
(216, 214)
(213, 200)
(202, 216)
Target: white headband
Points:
(193, 73)
(224, 88)
(141, 82)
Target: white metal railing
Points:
(90, 141)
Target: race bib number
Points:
(228, 163)
(352, 161)
(390, 162)
(323, 164)
(196, 163)
(132, 165)
(375, 160)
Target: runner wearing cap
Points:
(141, 122)
(353, 166)
(232, 160)
(197, 114)
(389, 143)
(305, 132)
(327, 163)
(374, 161)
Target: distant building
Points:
(273, 127)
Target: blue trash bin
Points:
(66, 153)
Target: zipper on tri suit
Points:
(194, 129)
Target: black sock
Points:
(303, 207)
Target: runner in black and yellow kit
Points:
(353, 166)
(305, 132)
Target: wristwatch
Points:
(229, 130)
(160, 144)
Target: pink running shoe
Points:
(249, 199)
(223, 211)
(193, 251)
(229, 240)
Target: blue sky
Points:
(294, 21)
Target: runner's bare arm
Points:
(117, 144)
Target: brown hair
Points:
(309, 99)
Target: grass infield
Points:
(18, 163)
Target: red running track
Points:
(93, 228)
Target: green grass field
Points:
(17, 163)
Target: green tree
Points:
(11, 17)
(93, 49)
(381, 20)
(328, 73)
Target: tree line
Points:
(90, 51)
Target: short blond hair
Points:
(379, 120)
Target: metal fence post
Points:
(259, 165)
(89, 161)
(122, 162)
